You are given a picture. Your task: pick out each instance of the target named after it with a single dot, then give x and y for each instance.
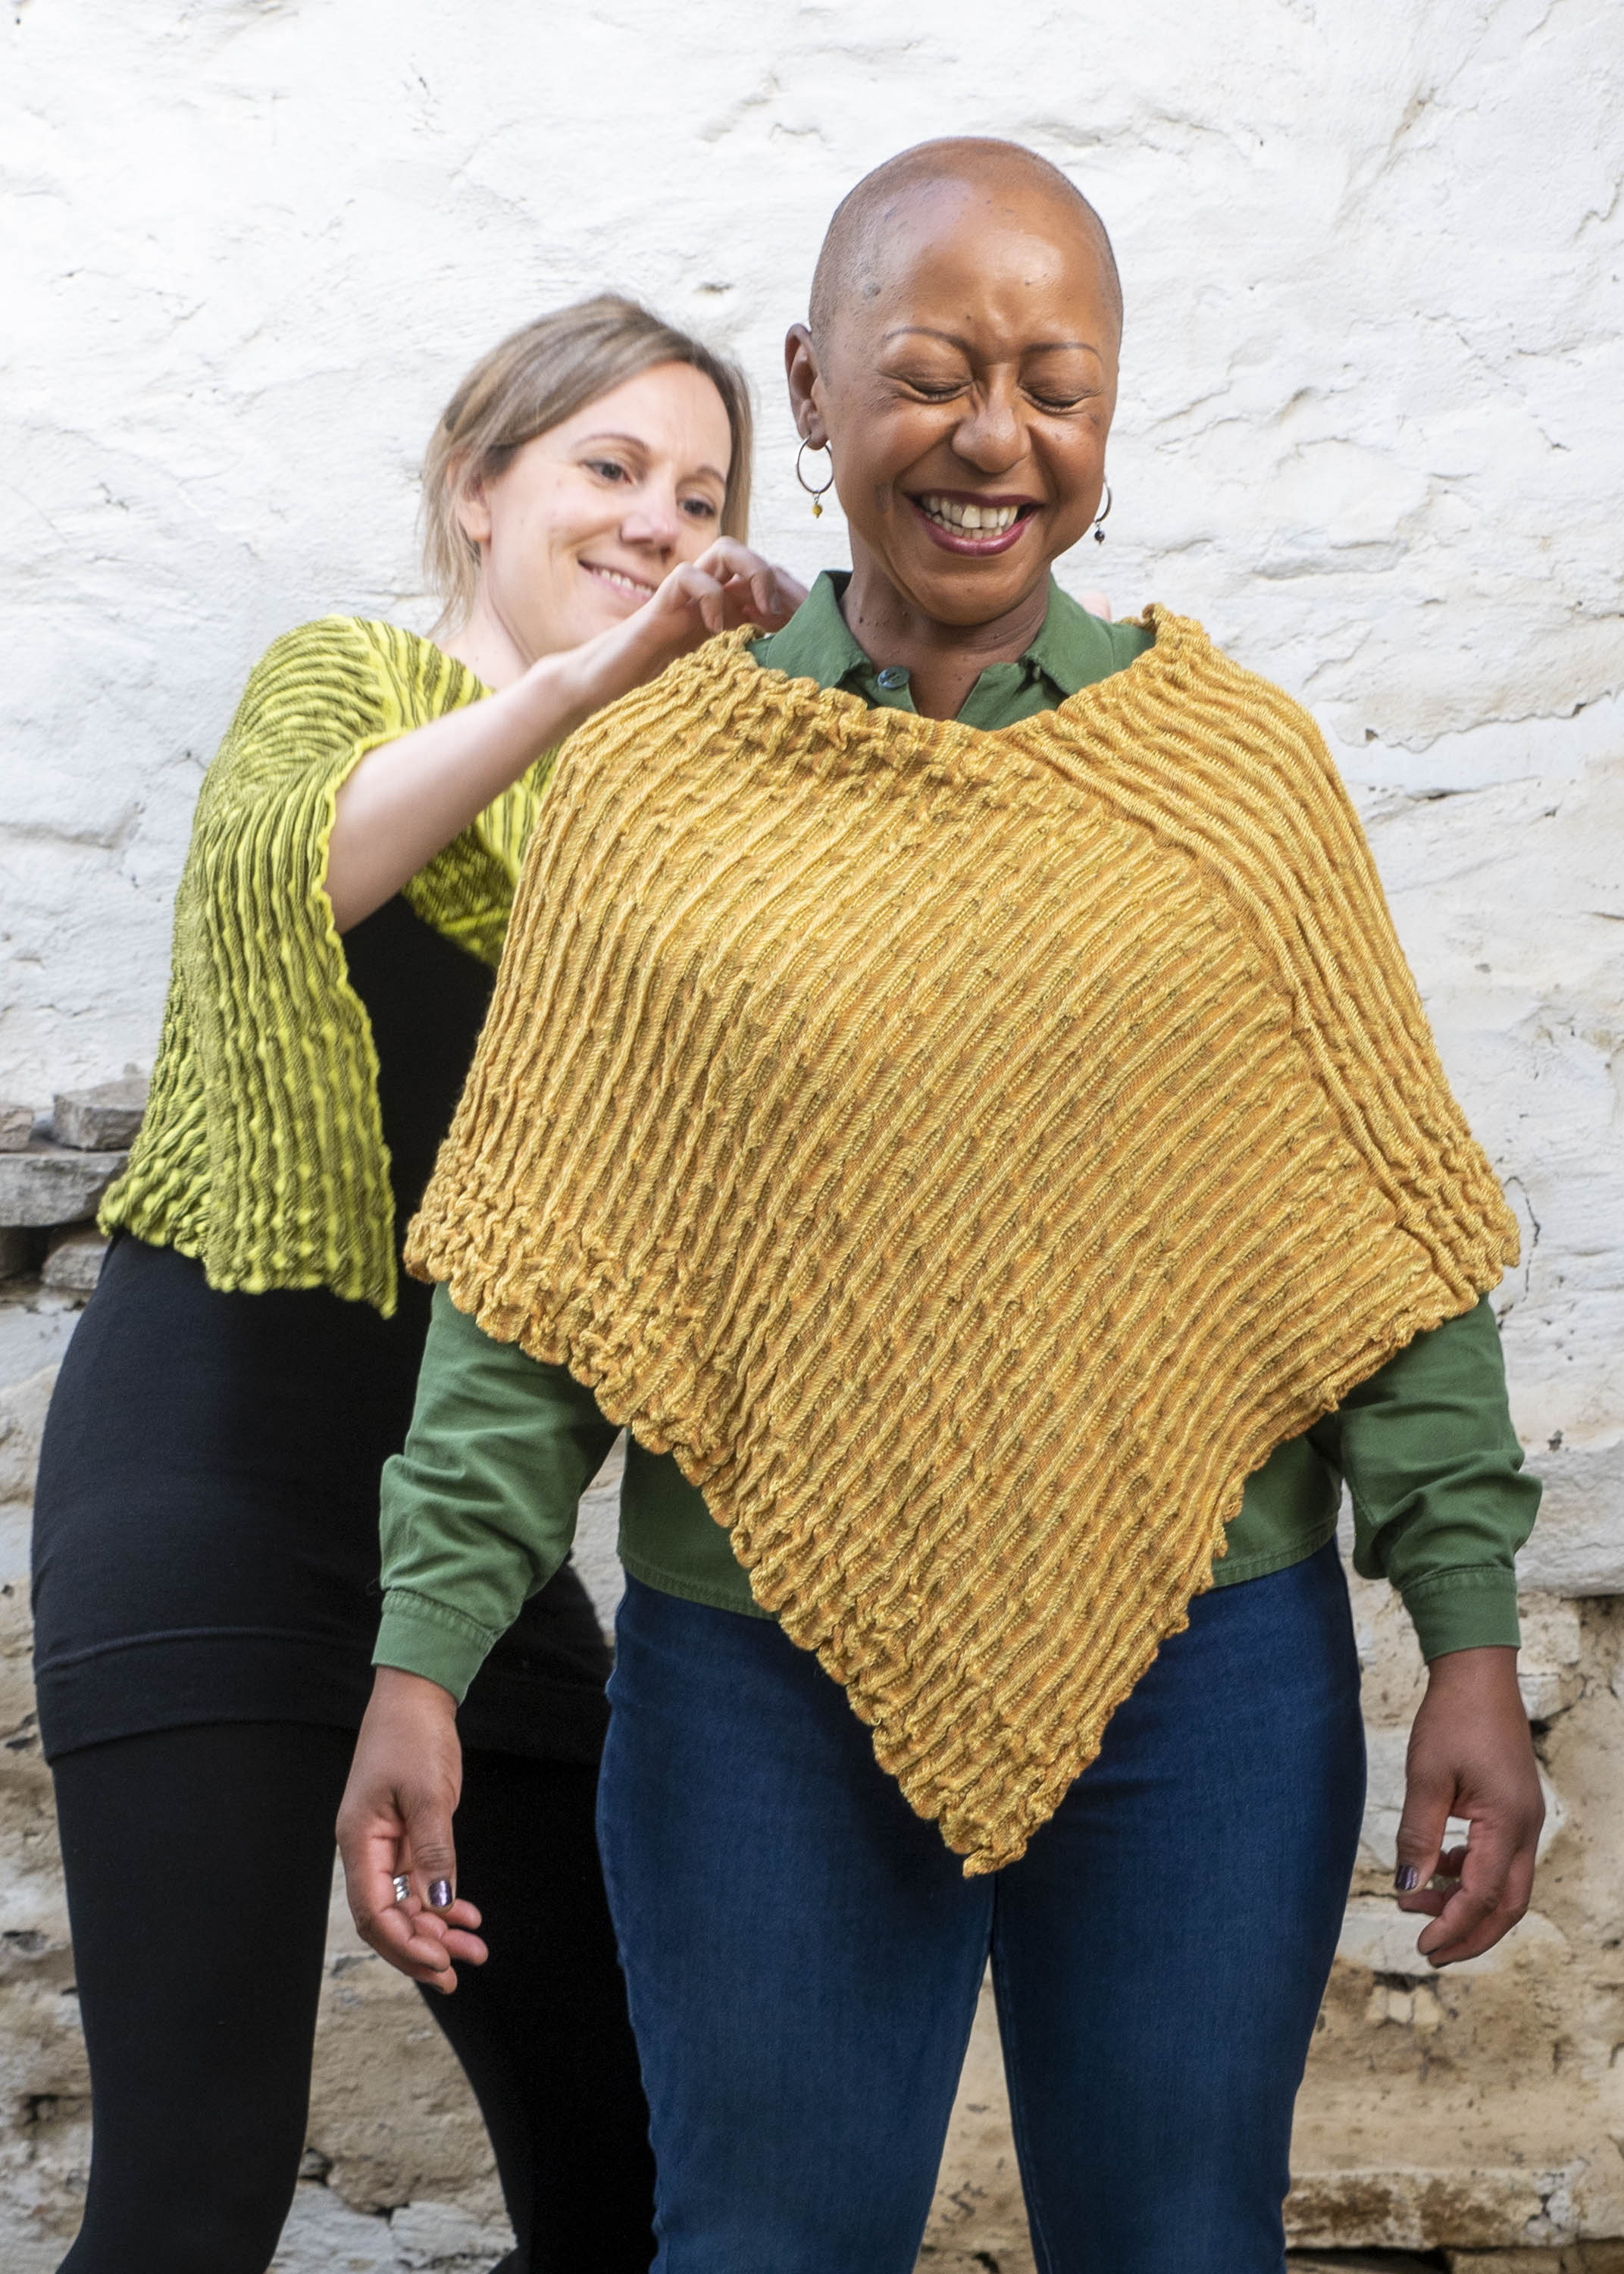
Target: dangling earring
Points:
(816, 495)
(1101, 519)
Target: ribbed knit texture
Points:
(971, 1153)
(262, 1152)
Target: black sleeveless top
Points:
(206, 1518)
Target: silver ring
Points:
(403, 1886)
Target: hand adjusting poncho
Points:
(971, 1153)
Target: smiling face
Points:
(587, 518)
(965, 383)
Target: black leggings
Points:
(199, 1865)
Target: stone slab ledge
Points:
(46, 1183)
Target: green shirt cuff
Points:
(1468, 1608)
(420, 1636)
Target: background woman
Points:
(206, 1542)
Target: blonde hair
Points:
(535, 378)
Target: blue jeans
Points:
(803, 1954)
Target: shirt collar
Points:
(817, 643)
(1072, 649)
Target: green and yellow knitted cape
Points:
(971, 1153)
(262, 1151)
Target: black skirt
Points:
(206, 1518)
(206, 1524)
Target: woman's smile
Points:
(636, 588)
(963, 522)
(962, 377)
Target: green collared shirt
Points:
(1072, 651)
(479, 1510)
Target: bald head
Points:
(851, 268)
(962, 352)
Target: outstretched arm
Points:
(407, 799)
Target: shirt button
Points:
(892, 676)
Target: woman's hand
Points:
(407, 799)
(1471, 1756)
(727, 585)
(395, 1822)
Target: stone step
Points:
(47, 1184)
(73, 1261)
(1361, 2262)
(1570, 2258)
(101, 1119)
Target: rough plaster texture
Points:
(1368, 432)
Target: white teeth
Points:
(626, 584)
(953, 514)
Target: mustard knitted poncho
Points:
(970, 1154)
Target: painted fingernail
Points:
(1406, 1879)
(439, 1894)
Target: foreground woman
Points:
(954, 1092)
(206, 1556)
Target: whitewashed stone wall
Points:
(1369, 432)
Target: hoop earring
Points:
(1101, 519)
(816, 495)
